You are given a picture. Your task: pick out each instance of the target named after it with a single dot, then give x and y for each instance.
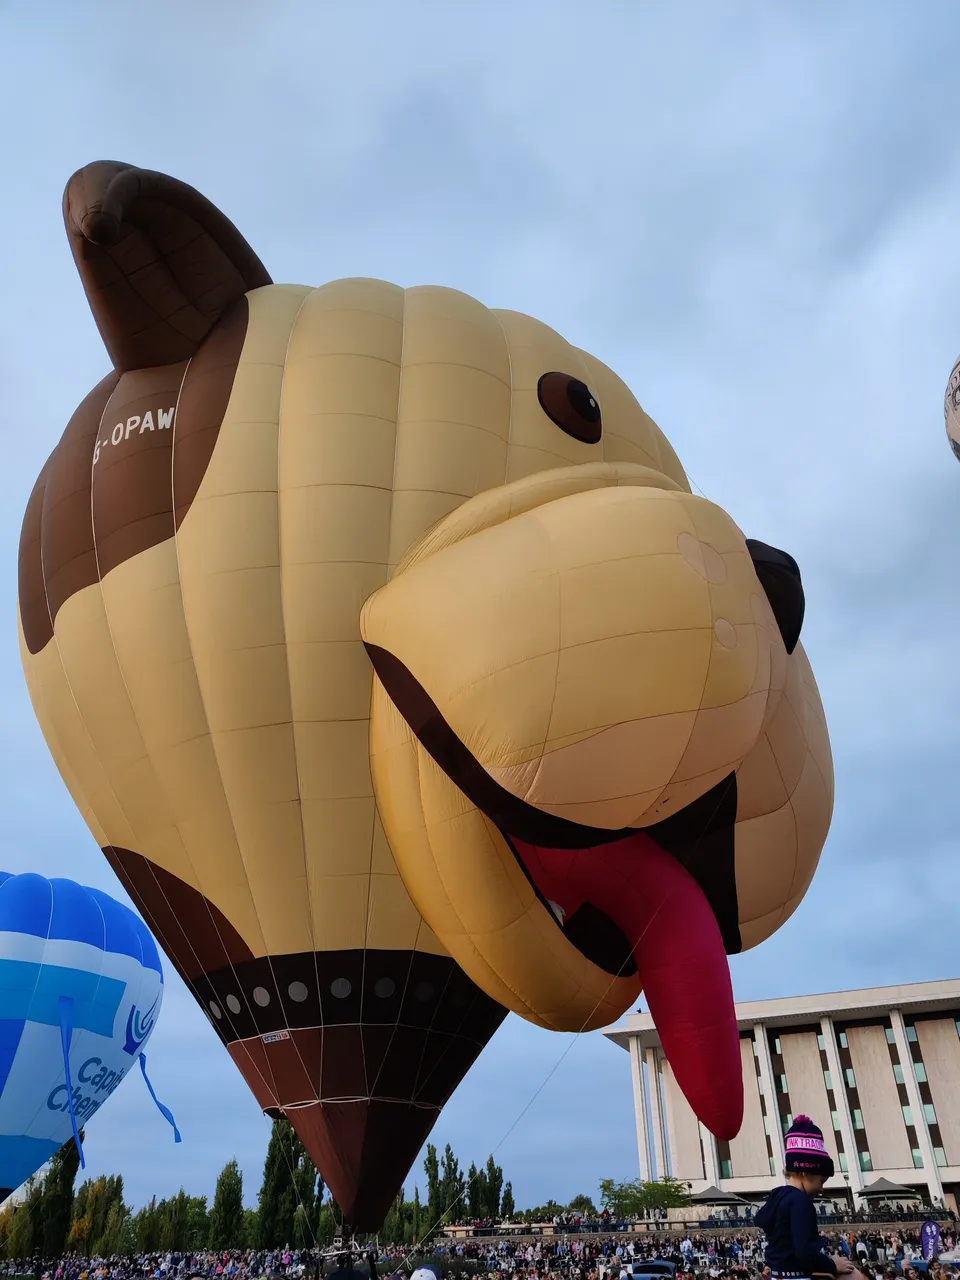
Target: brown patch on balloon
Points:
(34, 614)
(124, 474)
(57, 556)
(159, 263)
(132, 495)
(194, 933)
(203, 402)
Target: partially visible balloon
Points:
(951, 410)
(194, 655)
(428, 1271)
(80, 984)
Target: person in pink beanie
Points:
(788, 1219)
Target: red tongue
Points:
(660, 908)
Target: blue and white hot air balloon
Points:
(80, 992)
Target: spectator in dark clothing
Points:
(795, 1249)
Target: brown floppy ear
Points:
(159, 263)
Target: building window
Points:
(783, 1084)
(827, 1080)
(866, 1164)
(929, 1113)
(917, 1158)
(773, 1166)
(726, 1168)
(820, 1044)
(920, 1071)
(766, 1125)
(843, 1162)
(912, 1033)
(777, 1047)
(756, 1047)
(843, 1039)
(787, 1122)
(898, 1073)
(857, 1118)
(939, 1157)
(907, 1115)
(835, 1118)
(958, 1026)
(851, 1078)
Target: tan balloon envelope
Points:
(194, 561)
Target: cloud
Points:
(748, 211)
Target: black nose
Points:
(779, 576)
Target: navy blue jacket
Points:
(789, 1221)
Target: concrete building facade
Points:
(878, 1070)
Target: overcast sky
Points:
(750, 210)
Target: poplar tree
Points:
(57, 1204)
(507, 1208)
(476, 1192)
(290, 1192)
(226, 1216)
(431, 1167)
(493, 1184)
(452, 1186)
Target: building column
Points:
(711, 1162)
(934, 1181)
(770, 1096)
(640, 1108)
(656, 1112)
(854, 1172)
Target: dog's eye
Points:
(571, 405)
(780, 578)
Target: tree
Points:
(251, 1228)
(492, 1189)
(27, 1226)
(476, 1192)
(57, 1205)
(330, 1222)
(635, 1199)
(6, 1226)
(173, 1221)
(543, 1213)
(148, 1227)
(117, 1236)
(198, 1223)
(289, 1192)
(393, 1230)
(417, 1217)
(226, 1216)
(93, 1225)
(508, 1209)
(431, 1167)
(452, 1186)
(176, 1224)
(583, 1205)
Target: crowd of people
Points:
(877, 1255)
(699, 1256)
(787, 1240)
(830, 1214)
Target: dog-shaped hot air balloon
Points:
(383, 646)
